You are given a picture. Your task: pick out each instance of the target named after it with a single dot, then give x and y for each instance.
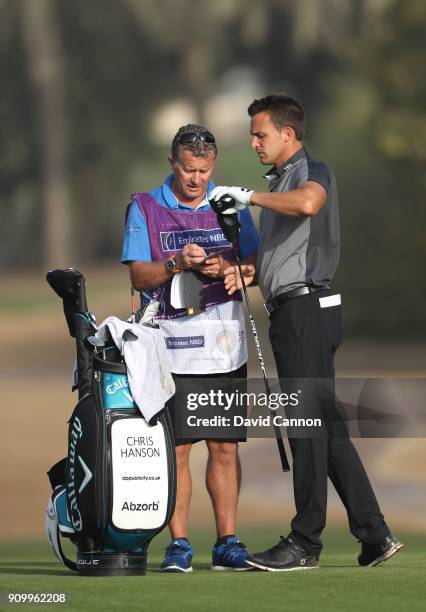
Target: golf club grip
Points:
(81, 292)
(285, 466)
(280, 442)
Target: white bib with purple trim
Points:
(211, 342)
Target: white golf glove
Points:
(240, 195)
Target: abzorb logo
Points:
(133, 507)
(176, 240)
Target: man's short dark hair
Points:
(199, 147)
(283, 110)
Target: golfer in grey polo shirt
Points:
(297, 259)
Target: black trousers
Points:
(304, 339)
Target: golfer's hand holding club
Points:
(240, 195)
(241, 198)
(233, 279)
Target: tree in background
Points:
(367, 131)
(355, 65)
(396, 67)
(43, 45)
(84, 123)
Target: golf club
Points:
(231, 228)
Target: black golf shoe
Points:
(372, 554)
(286, 556)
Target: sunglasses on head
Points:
(191, 137)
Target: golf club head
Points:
(69, 284)
(229, 224)
(230, 227)
(224, 203)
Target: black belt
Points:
(275, 302)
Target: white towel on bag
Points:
(148, 369)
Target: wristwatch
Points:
(171, 265)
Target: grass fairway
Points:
(398, 584)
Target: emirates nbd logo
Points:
(176, 240)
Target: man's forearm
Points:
(304, 201)
(148, 275)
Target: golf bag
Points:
(115, 490)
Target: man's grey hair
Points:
(199, 148)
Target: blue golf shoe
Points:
(178, 557)
(230, 556)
